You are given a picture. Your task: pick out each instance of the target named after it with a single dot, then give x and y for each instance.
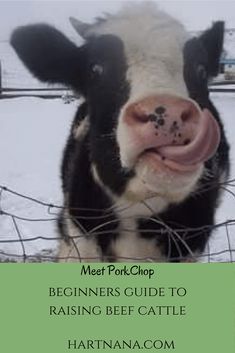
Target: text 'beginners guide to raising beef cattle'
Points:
(147, 149)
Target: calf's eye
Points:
(97, 69)
(201, 73)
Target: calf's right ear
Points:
(51, 56)
(212, 40)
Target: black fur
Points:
(212, 40)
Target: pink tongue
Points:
(201, 148)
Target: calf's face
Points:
(149, 118)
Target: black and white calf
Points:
(147, 149)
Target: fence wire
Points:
(17, 244)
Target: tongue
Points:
(201, 148)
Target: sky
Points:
(196, 15)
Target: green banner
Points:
(59, 308)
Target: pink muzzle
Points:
(174, 128)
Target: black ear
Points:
(212, 40)
(50, 56)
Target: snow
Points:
(224, 238)
(32, 137)
(33, 134)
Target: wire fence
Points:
(223, 253)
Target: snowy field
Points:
(33, 133)
(32, 136)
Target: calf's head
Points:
(151, 128)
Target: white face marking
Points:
(155, 65)
(153, 43)
(153, 46)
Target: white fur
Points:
(153, 44)
(129, 207)
(129, 246)
(168, 186)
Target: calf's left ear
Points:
(50, 55)
(212, 40)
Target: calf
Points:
(147, 150)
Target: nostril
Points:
(186, 116)
(140, 117)
(160, 110)
(152, 117)
(187, 142)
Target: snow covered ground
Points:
(33, 133)
(32, 136)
